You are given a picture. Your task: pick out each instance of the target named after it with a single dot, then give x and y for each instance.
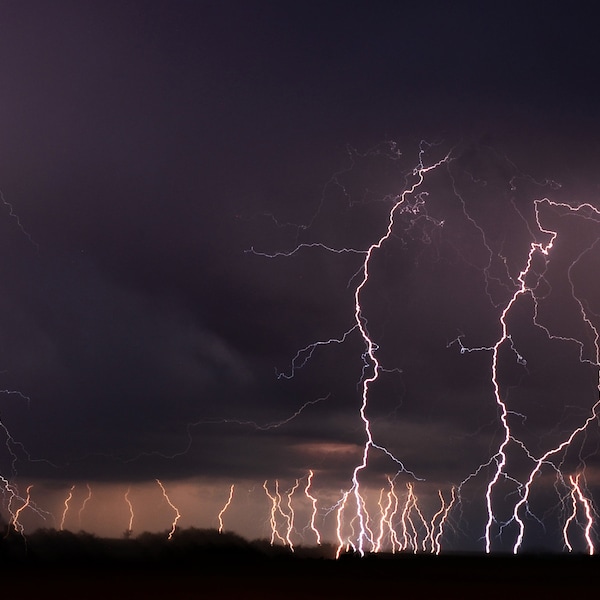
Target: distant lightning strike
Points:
(313, 500)
(6, 488)
(570, 519)
(84, 504)
(10, 490)
(12, 493)
(275, 507)
(15, 523)
(66, 509)
(129, 529)
(386, 517)
(410, 532)
(577, 494)
(17, 219)
(304, 246)
(175, 509)
(253, 424)
(443, 518)
(589, 521)
(290, 516)
(225, 507)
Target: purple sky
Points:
(146, 146)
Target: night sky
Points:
(148, 147)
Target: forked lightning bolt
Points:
(402, 526)
(15, 520)
(578, 495)
(313, 514)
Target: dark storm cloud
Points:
(146, 146)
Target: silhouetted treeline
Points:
(187, 546)
(226, 565)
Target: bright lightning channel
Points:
(175, 509)
(225, 507)
(66, 509)
(313, 500)
(530, 283)
(365, 535)
(15, 520)
(129, 530)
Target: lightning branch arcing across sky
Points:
(415, 510)
(252, 424)
(513, 286)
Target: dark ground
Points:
(196, 563)
(464, 577)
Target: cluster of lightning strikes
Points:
(408, 515)
(402, 525)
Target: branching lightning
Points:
(407, 510)
(578, 495)
(529, 286)
(313, 514)
(275, 508)
(15, 520)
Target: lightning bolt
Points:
(258, 426)
(225, 507)
(419, 172)
(290, 515)
(571, 518)
(577, 494)
(387, 514)
(175, 509)
(129, 530)
(445, 510)
(372, 367)
(66, 509)
(84, 503)
(18, 527)
(588, 512)
(313, 500)
(527, 283)
(15, 216)
(275, 507)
